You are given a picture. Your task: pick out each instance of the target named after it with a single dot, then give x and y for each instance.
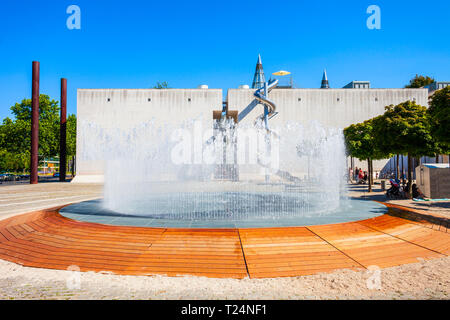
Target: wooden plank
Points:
(369, 246)
(289, 252)
(46, 239)
(403, 229)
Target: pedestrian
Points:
(360, 176)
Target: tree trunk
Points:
(410, 175)
(397, 172)
(437, 158)
(402, 175)
(352, 167)
(368, 175)
(73, 166)
(418, 159)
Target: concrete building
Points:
(332, 107)
(101, 111)
(128, 108)
(358, 85)
(437, 85)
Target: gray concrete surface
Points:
(22, 198)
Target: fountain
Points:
(231, 175)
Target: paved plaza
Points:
(420, 280)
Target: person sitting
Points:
(417, 194)
(360, 176)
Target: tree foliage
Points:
(405, 129)
(439, 112)
(419, 81)
(161, 85)
(15, 135)
(361, 143)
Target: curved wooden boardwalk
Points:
(45, 239)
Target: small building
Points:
(437, 85)
(49, 165)
(433, 179)
(358, 85)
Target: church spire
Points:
(324, 84)
(258, 78)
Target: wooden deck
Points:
(45, 239)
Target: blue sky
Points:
(134, 44)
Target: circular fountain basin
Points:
(224, 210)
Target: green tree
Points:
(14, 144)
(15, 135)
(161, 85)
(72, 139)
(405, 129)
(361, 143)
(439, 113)
(419, 81)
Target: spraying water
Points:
(179, 172)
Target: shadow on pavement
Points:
(434, 204)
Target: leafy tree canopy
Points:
(439, 112)
(419, 81)
(360, 141)
(48, 109)
(405, 129)
(15, 134)
(161, 85)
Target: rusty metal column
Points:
(34, 124)
(62, 132)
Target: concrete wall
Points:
(128, 108)
(331, 107)
(304, 105)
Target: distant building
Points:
(358, 85)
(258, 78)
(437, 85)
(324, 84)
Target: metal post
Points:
(34, 124)
(62, 132)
